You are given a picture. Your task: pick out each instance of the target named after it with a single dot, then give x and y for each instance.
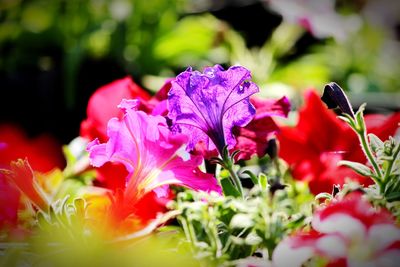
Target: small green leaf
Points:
(228, 188)
(296, 222)
(360, 123)
(80, 205)
(241, 221)
(234, 154)
(349, 120)
(392, 185)
(263, 181)
(375, 142)
(393, 196)
(252, 239)
(252, 176)
(361, 108)
(358, 167)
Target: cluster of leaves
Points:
(224, 229)
(383, 166)
(63, 236)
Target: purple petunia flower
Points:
(208, 105)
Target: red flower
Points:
(103, 103)
(22, 177)
(320, 140)
(102, 107)
(9, 203)
(253, 138)
(43, 153)
(347, 232)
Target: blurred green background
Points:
(54, 54)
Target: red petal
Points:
(103, 104)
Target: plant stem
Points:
(391, 163)
(367, 151)
(235, 178)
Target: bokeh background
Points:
(55, 54)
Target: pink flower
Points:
(102, 107)
(152, 155)
(318, 17)
(347, 232)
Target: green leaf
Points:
(375, 142)
(228, 188)
(252, 239)
(360, 123)
(263, 181)
(392, 185)
(393, 196)
(296, 222)
(357, 167)
(241, 221)
(252, 176)
(349, 120)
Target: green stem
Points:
(364, 143)
(391, 163)
(235, 178)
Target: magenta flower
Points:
(151, 154)
(347, 232)
(207, 105)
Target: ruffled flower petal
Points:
(208, 105)
(151, 154)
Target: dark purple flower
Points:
(208, 105)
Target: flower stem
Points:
(367, 151)
(227, 162)
(391, 163)
(235, 178)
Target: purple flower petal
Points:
(207, 105)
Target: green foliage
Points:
(227, 228)
(64, 237)
(383, 157)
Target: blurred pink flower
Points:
(318, 17)
(347, 232)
